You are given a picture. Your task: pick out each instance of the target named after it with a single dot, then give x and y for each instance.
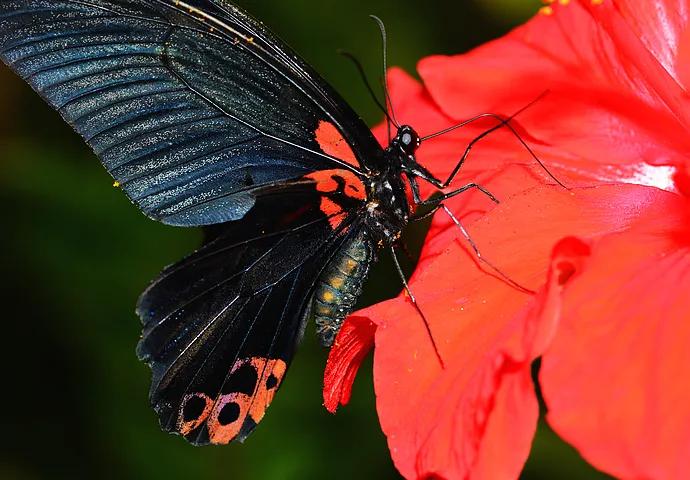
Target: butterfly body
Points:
(384, 216)
(340, 286)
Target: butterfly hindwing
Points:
(221, 326)
(193, 107)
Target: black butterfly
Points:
(204, 118)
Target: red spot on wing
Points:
(327, 181)
(296, 215)
(333, 211)
(337, 181)
(329, 207)
(336, 220)
(332, 143)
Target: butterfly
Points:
(206, 119)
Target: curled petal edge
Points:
(353, 342)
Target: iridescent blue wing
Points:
(193, 107)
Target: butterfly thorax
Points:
(387, 209)
(386, 214)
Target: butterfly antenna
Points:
(504, 122)
(362, 74)
(384, 39)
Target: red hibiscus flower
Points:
(609, 258)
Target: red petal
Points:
(598, 117)
(660, 25)
(566, 262)
(451, 423)
(647, 36)
(355, 339)
(682, 179)
(512, 421)
(456, 422)
(614, 376)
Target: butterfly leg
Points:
(413, 299)
(502, 122)
(435, 201)
(446, 196)
(478, 253)
(438, 204)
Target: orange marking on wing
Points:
(269, 374)
(327, 182)
(336, 220)
(220, 432)
(332, 143)
(324, 180)
(329, 207)
(186, 426)
(273, 372)
(355, 191)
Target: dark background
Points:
(75, 255)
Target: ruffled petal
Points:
(648, 36)
(455, 422)
(354, 341)
(661, 26)
(600, 117)
(614, 378)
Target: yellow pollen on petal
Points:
(546, 10)
(597, 2)
(116, 184)
(564, 2)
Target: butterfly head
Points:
(407, 140)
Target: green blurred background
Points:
(76, 254)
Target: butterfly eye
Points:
(407, 139)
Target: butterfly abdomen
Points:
(340, 285)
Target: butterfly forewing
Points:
(192, 107)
